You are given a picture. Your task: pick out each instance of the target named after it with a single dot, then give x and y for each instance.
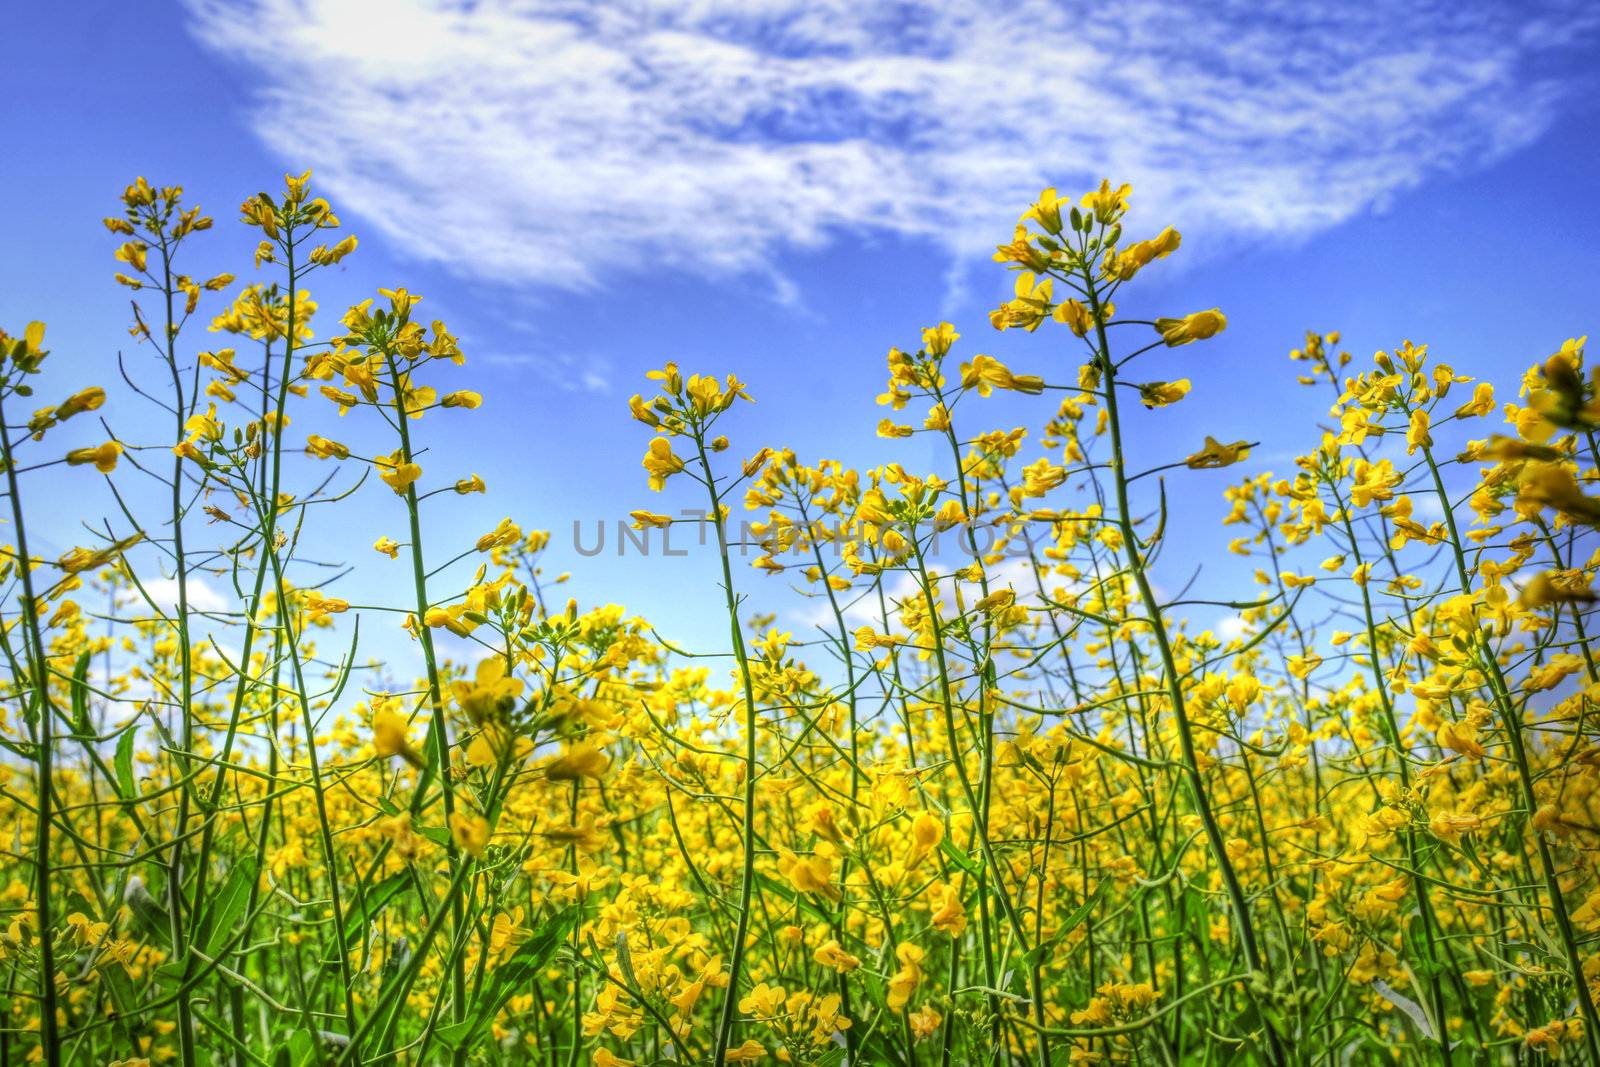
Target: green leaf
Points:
(800, 900)
(124, 999)
(227, 904)
(80, 694)
(959, 858)
(1044, 949)
(123, 764)
(302, 1049)
(357, 920)
(514, 975)
(437, 834)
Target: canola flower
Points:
(1019, 804)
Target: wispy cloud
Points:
(569, 372)
(567, 142)
(164, 593)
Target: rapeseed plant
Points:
(1004, 803)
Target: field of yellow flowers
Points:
(1007, 806)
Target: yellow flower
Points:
(927, 831)
(1482, 402)
(1041, 476)
(507, 533)
(581, 760)
(774, 644)
(1074, 316)
(490, 695)
(450, 619)
(488, 745)
(1021, 250)
(1106, 203)
(507, 932)
(669, 377)
(1123, 265)
(936, 340)
(904, 981)
(1028, 306)
(830, 954)
(643, 411)
(809, 874)
(84, 400)
(749, 1052)
(77, 560)
(390, 737)
(868, 639)
(660, 462)
(461, 398)
(1302, 666)
(133, 254)
(1450, 826)
(104, 457)
(1194, 327)
(1216, 454)
(1046, 211)
(318, 607)
(396, 473)
(643, 519)
(323, 448)
(401, 301)
(1373, 481)
(1160, 394)
(323, 256)
(1461, 737)
(951, 916)
(1552, 485)
(705, 394)
(388, 546)
(345, 400)
(1556, 587)
(1417, 435)
(983, 374)
(999, 600)
(470, 832)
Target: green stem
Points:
(439, 727)
(1191, 766)
(49, 1033)
(730, 1000)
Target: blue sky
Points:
(784, 191)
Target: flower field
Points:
(1008, 801)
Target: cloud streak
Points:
(566, 143)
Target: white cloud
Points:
(1231, 627)
(570, 373)
(164, 592)
(567, 143)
